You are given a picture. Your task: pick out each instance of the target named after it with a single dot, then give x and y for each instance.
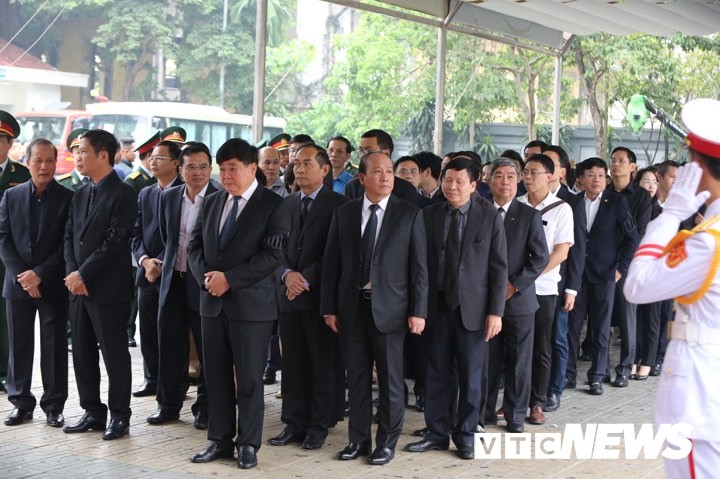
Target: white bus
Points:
(209, 124)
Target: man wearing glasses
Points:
(148, 249)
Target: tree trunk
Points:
(591, 94)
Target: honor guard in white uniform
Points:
(684, 266)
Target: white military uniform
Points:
(685, 267)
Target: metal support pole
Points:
(556, 100)
(222, 65)
(440, 91)
(259, 81)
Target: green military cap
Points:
(261, 144)
(149, 144)
(73, 138)
(174, 133)
(280, 142)
(9, 125)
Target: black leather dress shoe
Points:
(428, 445)
(552, 403)
(18, 416)
(515, 427)
(161, 416)
(381, 456)
(465, 451)
(596, 389)
(285, 438)
(3, 389)
(352, 451)
(247, 459)
(420, 402)
(421, 432)
(270, 376)
(201, 420)
(132, 343)
(621, 381)
(86, 423)
(116, 429)
(313, 441)
(55, 419)
(656, 370)
(147, 389)
(211, 452)
(570, 384)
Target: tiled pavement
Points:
(161, 452)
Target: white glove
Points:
(683, 200)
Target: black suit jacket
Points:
(169, 225)
(306, 247)
(612, 239)
(146, 233)
(640, 203)
(527, 256)
(483, 263)
(20, 252)
(401, 188)
(571, 270)
(98, 245)
(251, 256)
(399, 275)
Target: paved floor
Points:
(161, 452)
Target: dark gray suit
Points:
(373, 329)
(511, 350)
(42, 252)
(236, 326)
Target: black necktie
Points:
(229, 222)
(304, 210)
(86, 180)
(452, 262)
(91, 200)
(368, 244)
(501, 210)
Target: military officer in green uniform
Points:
(140, 177)
(73, 180)
(174, 133)
(11, 173)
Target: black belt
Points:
(180, 274)
(366, 294)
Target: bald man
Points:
(269, 163)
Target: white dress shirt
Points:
(245, 197)
(189, 212)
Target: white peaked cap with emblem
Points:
(702, 120)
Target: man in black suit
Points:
(309, 347)
(99, 278)
(623, 167)
(610, 243)
(375, 287)
(467, 265)
(148, 251)
(31, 251)
(237, 244)
(527, 254)
(179, 293)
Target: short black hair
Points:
(460, 164)
(40, 142)
(238, 149)
(630, 154)
(172, 147)
(407, 158)
(428, 159)
(544, 160)
(321, 155)
(562, 155)
(515, 156)
(534, 144)
(650, 169)
(471, 155)
(127, 141)
(712, 164)
(348, 146)
(102, 140)
(384, 140)
(593, 162)
(191, 148)
(666, 165)
(302, 138)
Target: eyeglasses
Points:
(194, 168)
(532, 173)
(160, 158)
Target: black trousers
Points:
(176, 316)
(625, 316)
(648, 332)
(132, 317)
(234, 353)
(362, 344)
(308, 382)
(511, 352)
(594, 300)
(451, 347)
(542, 349)
(53, 353)
(102, 324)
(148, 305)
